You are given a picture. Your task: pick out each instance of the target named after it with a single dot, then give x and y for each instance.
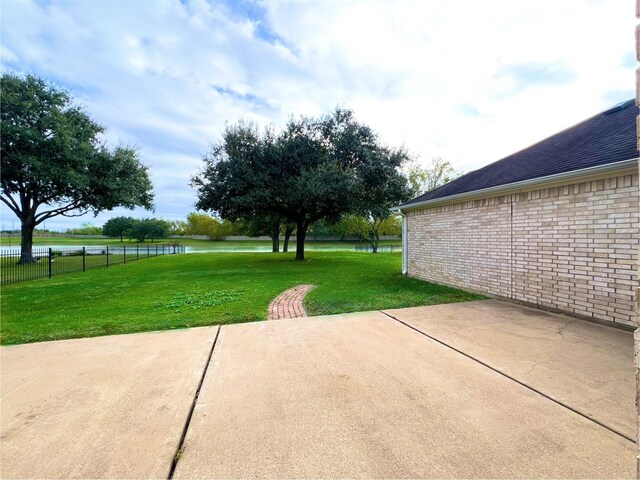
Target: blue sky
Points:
(470, 81)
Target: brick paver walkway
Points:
(289, 303)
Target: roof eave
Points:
(515, 187)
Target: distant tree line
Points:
(349, 227)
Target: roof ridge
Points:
(605, 137)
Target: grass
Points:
(206, 289)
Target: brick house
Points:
(555, 225)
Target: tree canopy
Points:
(315, 168)
(118, 227)
(369, 230)
(389, 189)
(150, 228)
(425, 178)
(54, 162)
(204, 224)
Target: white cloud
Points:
(470, 81)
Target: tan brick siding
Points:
(572, 248)
(455, 245)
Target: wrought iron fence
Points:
(48, 262)
(381, 248)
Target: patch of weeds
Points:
(107, 328)
(179, 453)
(194, 300)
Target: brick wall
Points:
(572, 248)
(455, 244)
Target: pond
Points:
(218, 247)
(266, 248)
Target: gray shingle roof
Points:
(608, 137)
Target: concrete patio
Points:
(478, 389)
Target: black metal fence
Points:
(381, 248)
(48, 262)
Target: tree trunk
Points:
(275, 237)
(27, 227)
(375, 237)
(301, 233)
(369, 240)
(287, 236)
(375, 243)
(121, 237)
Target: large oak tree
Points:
(315, 168)
(54, 162)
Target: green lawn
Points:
(206, 289)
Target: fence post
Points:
(147, 251)
(137, 252)
(156, 249)
(107, 256)
(84, 263)
(124, 255)
(163, 249)
(50, 260)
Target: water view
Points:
(217, 247)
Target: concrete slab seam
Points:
(176, 456)
(506, 375)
